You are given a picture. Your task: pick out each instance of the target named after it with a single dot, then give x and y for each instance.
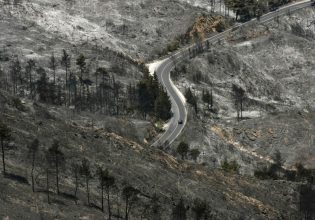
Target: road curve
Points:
(164, 68)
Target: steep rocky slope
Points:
(149, 170)
(274, 64)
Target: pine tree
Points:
(66, 63)
(107, 182)
(42, 85)
(103, 87)
(200, 209)
(5, 135)
(4, 81)
(179, 211)
(81, 63)
(130, 195)
(208, 98)
(47, 166)
(238, 95)
(144, 98)
(191, 99)
(53, 65)
(15, 72)
(163, 106)
(29, 69)
(101, 176)
(155, 207)
(56, 157)
(183, 149)
(33, 150)
(75, 167)
(194, 153)
(85, 171)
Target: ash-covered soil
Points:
(147, 169)
(137, 28)
(275, 65)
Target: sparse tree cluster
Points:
(55, 166)
(276, 171)
(207, 98)
(77, 90)
(247, 9)
(50, 163)
(239, 96)
(153, 99)
(192, 99)
(183, 149)
(230, 166)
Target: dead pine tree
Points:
(15, 73)
(107, 182)
(200, 209)
(66, 63)
(5, 135)
(179, 211)
(47, 166)
(53, 65)
(81, 63)
(154, 208)
(101, 173)
(238, 95)
(85, 170)
(56, 158)
(109, 185)
(130, 195)
(75, 167)
(29, 70)
(32, 151)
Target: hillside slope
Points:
(137, 28)
(147, 169)
(274, 65)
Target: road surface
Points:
(164, 68)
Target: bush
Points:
(183, 149)
(173, 46)
(220, 27)
(263, 173)
(231, 167)
(16, 103)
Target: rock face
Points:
(275, 66)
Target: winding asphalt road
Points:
(164, 68)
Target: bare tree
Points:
(29, 69)
(53, 65)
(180, 211)
(66, 63)
(107, 182)
(81, 63)
(75, 170)
(130, 195)
(155, 208)
(15, 72)
(57, 158)
(200, 209)
(5, 135)
(238, 94)
(47, 171)
(85, 171)
(33, 149)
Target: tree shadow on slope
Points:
(17, 178)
